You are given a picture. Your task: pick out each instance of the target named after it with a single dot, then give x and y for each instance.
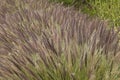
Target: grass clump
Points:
(37, 44)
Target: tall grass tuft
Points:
(50, 42)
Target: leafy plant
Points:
(104, 9)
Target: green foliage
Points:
(105, 9)
(66, 2)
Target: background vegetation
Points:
(104, 9)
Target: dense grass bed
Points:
(40, 40)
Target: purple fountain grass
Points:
(39, 37)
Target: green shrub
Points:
(105, 9)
